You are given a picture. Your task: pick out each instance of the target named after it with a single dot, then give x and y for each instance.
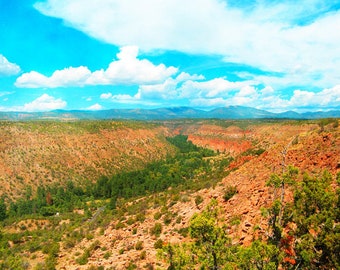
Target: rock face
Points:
(232, 140)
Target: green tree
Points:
(212, 246)
(316, 215)
(307, 230)
(276, 211)
(178, 256)
(3, 210)
(258, 256)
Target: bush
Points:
(143, 255)
(157, 215)
(83, 259)
(156, 229)
(140, 217)
(158, 244)
(107, 255)
(139, 245)
(167, 218)
(198, 200)
(184, 231)
(229, 193)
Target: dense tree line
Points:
(181, 169)
(46, 202)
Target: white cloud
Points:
(95, 107)
(268, 99)
(267, 36)
(128, 69)
(128, 99)
(221, 92)
(218, 87)
(106, 96)
(163, 91)
(208, 102)
(5, 93)
(167, 90)
(61, 78)
(183, 76)
(325, 98)
(7, 68)
(43, 103)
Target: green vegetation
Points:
(189, 168)
(229, 192)
(76, 127)
(304, 234)
(39, 215)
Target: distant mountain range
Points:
(232, 112)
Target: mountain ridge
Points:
(168, 113)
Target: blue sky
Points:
(85, 54)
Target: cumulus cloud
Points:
(128, 69)
(5, 93)
(166, 90)
(218, 87)
(269, 36)
(7, 68)
(222, 92)
(326, 98)
(209, 102)
(268, 99)
(43, 103)
(129, 99)
(60, 78)
(106, 95)
(95, 107)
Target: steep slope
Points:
(305, 147)
(129, 238)
(35, 153)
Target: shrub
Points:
(167, 218)
(143, 255)
(139, 245)
(158, 244)
(83, 259)
(130, 221)
(184, 231)
(156, 229)
(157, 215)
(198, 200)
(140, 217)
(107, 255)
(120, 225)
(229, 192)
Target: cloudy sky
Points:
(85, 54)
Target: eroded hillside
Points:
(41, 153)
(130, 238)
(304, 146)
